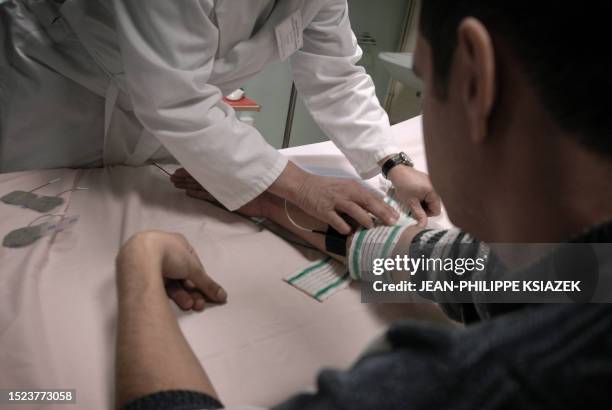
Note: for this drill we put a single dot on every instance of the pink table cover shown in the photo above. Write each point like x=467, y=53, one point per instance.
x=58, y=299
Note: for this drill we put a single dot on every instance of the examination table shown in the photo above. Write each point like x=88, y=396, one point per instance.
x=58, y=299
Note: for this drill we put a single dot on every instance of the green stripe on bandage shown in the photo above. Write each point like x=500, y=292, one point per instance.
x=357, y=253
x=321, y=279
x=389, y=242
x=332, y=286
x=310, y=269
x=386, y=250
x=372, y=244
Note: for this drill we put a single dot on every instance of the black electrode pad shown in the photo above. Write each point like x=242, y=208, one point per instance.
x=23, y=236
x=19, y=198
x=45, y=204
x=335, y=242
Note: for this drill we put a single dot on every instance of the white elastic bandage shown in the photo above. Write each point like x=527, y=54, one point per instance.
x=320, y=279
x=405, y=214
x=377, y=243
x=371, y=244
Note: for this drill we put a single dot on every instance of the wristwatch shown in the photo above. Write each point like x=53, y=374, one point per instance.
x=399, y=159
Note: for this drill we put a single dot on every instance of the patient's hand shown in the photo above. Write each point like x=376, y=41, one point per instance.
x=155, y=255
x=183, y=180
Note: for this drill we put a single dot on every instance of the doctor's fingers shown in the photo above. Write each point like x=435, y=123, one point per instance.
x=376, y=206
x=417, y=212
x=434, y=204
x=337, y=222
x=357, y=213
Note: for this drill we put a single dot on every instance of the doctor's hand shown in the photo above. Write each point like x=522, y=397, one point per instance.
x=414, y=190
x=155, y=255
x=327, y=198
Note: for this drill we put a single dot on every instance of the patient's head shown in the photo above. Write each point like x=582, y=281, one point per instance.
x=516, y=114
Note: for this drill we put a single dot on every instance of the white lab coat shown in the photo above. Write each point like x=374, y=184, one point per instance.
x=170, y=62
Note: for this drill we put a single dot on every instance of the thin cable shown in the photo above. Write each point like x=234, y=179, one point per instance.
x=295, y=223
x=73, y=189
x=53, y=181
x=46, y=216
x=162, y=169
x=284, y=234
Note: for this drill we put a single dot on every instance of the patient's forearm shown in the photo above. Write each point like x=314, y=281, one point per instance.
x=275, y=212
x=152, y=353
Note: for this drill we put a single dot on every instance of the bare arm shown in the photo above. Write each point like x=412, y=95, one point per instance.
x=272, y=207
x=152, y=353
x=275, y=211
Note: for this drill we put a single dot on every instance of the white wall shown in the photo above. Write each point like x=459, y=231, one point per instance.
x=405, y=102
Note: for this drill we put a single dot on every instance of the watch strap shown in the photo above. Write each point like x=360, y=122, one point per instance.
x=398, y=159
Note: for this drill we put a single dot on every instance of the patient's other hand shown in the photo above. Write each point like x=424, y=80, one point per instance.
x=183, y=180
x=147, y=254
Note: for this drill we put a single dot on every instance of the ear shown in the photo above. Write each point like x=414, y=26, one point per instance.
x=476, y=64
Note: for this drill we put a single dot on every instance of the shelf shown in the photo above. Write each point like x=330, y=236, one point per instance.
x=243, y=105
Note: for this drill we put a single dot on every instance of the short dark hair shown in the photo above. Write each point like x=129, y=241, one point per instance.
x=563, y=47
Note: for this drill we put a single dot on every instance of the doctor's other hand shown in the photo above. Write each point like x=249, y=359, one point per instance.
x=327, y=198
x=155, y=255
x=414, y=190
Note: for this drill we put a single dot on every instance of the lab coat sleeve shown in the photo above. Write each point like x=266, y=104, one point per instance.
x=339, y=94
x=168, y=49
